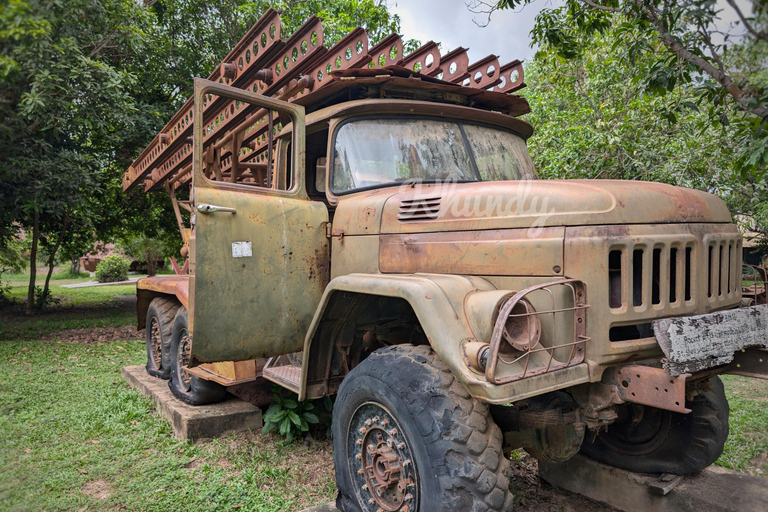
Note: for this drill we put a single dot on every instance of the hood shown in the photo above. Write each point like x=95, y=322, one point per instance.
x=539, y=203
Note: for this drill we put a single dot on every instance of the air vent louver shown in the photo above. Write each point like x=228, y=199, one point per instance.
x=425, y=208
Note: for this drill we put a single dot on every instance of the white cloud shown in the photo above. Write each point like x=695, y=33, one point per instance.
x=451, y=23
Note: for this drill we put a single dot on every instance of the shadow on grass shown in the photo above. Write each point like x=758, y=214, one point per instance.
x=110, y=307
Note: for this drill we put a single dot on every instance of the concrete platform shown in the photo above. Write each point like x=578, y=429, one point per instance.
x=713, y=490
x=194, y=422
x=325, y=507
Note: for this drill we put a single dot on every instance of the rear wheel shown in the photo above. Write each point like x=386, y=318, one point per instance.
x=650, y=440
x=183, y=384
x=408, y=436
x=159, y=327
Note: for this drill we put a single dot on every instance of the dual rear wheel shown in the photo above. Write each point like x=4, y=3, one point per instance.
x=169, y=347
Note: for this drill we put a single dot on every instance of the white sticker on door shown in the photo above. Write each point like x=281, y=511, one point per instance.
x=242, y=249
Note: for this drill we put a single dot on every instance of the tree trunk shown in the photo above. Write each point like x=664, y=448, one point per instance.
x=74, y=266
x=151, y=263
x=33, y=264
x=52, y=256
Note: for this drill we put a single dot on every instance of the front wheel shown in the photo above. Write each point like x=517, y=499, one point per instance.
x=650, y=440
x=184, y=385
x=408, y=437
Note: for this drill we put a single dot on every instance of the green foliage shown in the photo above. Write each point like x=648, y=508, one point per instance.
x=595, y=116
x=44, y=297
x=291, y=417
x=688, y=44
x=112, y=269
x=145, y=249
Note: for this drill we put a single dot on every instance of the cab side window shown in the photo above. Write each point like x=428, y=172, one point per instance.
x=317, y=157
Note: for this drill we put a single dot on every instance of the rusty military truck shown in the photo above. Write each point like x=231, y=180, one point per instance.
x=366, y=223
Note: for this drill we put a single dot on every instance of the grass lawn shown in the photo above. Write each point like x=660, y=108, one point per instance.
x=73, y=436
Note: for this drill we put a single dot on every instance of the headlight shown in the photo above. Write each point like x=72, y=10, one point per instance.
x=522, y=329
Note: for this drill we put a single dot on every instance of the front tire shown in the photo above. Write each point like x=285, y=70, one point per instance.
x=187, y=387
x=408, y=436
x=650, y=440
x=159, y=327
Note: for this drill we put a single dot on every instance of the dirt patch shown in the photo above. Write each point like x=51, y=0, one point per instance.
x=758, y=466
x=94, y=335
x=533, y=494
x=99, y=489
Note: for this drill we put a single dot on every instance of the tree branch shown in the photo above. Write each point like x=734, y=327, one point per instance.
x=758, y=34
x=741, y=96
x=600, y=7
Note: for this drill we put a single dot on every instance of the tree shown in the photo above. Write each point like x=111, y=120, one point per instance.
x=588, y=127
x=688, y=42
x=85, y=83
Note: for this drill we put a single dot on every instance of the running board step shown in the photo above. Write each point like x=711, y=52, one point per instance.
x=287, y=376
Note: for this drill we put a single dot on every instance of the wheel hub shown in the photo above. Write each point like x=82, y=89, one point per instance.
x=155, y=343
x=383, y=466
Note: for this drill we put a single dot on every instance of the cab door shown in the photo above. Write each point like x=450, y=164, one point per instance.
x=259, y=252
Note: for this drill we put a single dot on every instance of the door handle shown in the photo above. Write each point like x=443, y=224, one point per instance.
x=212, y=208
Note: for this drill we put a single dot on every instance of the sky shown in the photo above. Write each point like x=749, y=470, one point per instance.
x=507, y=35
x=451, y=23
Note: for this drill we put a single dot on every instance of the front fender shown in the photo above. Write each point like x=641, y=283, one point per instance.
x=447, y=318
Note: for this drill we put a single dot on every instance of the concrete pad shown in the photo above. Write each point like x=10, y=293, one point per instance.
x=190, y=421
x=713, y=490
x=90, y=284
x=325, y=507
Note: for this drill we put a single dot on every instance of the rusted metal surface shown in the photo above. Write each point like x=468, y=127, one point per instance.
x=750, y=362
x=754, y=283
x=492, y=252
x=701, y=342
x=176, y=286
x=649, y=386
x=540, y=203
x=261, y=245
x=227, y=373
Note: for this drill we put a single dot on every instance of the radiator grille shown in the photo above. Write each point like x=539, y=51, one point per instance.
x=653, y=274
x=426, y=208
x=658, y=273
x=723, y=267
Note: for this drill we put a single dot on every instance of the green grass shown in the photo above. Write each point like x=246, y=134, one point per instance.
x=747, y=445
x=70, y=428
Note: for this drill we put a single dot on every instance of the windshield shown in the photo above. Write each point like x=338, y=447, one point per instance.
x=378, y=152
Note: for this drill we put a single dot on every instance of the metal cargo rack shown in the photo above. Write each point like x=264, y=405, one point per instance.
x=239, y=139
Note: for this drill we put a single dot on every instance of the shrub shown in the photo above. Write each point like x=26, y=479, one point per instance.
x=112, y=268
